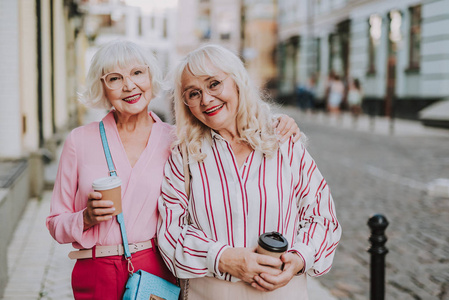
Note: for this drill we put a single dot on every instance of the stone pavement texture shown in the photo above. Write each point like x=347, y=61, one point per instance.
x=38, y=267
x=373, y=171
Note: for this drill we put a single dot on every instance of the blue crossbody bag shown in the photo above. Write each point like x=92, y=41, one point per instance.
x=141, y=285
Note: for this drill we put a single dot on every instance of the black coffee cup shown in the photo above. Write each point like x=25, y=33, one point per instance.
x=272, y=243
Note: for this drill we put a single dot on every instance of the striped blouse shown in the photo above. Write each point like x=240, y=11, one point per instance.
x=231, y=206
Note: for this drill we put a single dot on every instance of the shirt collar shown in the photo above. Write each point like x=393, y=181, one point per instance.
x=216, y=135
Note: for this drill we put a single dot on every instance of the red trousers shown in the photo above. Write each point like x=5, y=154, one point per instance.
x=105, y=277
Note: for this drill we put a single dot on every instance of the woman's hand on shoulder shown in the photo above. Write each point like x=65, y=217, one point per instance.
x=97, y=210
x=293, y=264
x=286, y=127
x=246, y=264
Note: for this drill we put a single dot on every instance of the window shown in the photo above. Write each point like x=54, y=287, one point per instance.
x=225, y=36
x=375, y=32
x=164, y=28
x=415, y=37
x=204, y=25
x=335, y=54
x=140, y=24
x=318, y=55
x=225, y=22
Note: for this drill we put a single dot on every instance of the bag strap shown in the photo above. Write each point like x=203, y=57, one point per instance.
x=113, y=172
x=107, y=152
x=185, y=283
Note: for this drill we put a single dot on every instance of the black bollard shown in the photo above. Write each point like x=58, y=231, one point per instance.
x=377, y=224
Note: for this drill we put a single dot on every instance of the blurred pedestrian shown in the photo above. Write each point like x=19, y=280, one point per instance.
x=355, y=98
x=305, y=95
x=327, y=89
x=301, y=95
x=243, y=184
x=336, y=93
x=311, y=88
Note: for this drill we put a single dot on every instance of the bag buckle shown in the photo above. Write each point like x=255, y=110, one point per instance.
x=133, y=248
x=130, y=266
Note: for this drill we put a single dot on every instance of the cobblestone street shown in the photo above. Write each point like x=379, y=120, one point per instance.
x=372, y=173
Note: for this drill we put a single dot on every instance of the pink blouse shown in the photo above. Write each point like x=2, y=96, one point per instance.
x=83, y=160
x=231, y=206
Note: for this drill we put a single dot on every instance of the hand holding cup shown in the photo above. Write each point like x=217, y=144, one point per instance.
x=104, y=203
x=273, y=244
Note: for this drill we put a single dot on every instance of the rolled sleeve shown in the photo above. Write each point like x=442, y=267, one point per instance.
x=213, y=258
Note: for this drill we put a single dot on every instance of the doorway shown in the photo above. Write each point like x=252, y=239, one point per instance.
x=394, y=37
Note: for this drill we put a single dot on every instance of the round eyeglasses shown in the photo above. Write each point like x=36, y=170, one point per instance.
x=116, y=80
x=192, y=97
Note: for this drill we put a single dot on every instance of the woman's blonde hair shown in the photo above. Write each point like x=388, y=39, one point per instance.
x=119, y=53
x=254, y=119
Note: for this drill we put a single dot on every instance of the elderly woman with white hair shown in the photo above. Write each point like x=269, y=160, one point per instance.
x=243, y=183
x=124, y=78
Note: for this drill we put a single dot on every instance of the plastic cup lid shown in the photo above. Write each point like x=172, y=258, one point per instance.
x=106, y=183
x=273, y=242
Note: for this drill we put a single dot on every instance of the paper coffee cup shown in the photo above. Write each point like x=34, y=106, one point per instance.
x=111, y=189
x=272, y=243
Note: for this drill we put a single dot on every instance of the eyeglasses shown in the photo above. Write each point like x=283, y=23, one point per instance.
x=192, y=97
x=116, y=80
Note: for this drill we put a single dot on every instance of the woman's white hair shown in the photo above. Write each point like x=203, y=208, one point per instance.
x=254, y=119
x=119, y=53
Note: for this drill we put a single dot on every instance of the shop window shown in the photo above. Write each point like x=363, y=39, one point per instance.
x=375, y=33
x=415, y=38
x=225, y=36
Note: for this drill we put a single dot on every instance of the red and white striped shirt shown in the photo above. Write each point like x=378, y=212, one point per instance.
x=231, y=206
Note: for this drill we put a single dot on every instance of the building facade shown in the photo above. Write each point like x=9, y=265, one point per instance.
x=39, y=74
x=208, y=21
x=39, y=79
x=259, y=41
x=397, y=49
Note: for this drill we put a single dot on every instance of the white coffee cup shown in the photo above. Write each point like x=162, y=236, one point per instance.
x=111, y=189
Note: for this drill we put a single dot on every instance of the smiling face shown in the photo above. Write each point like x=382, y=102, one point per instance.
x=217, y=112
x=134, y=96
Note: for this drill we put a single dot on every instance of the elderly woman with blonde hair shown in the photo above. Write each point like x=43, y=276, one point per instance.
x=124, y=78
x=243, y=183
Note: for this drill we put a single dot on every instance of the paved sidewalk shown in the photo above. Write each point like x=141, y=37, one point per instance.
x=38, y=267
x=375, y=125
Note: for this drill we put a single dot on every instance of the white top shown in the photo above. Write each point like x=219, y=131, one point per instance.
x=231, y=207
x=354, y=97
